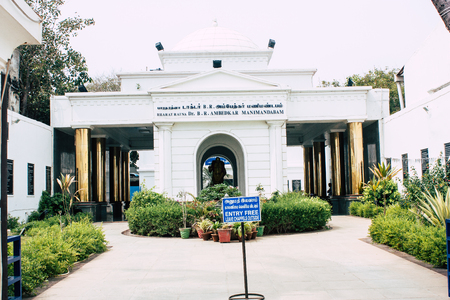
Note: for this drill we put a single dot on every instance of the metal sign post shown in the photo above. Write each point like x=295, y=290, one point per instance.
x=242, y=209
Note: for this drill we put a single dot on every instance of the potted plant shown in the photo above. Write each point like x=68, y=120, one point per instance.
x=204, y=226
x=214, y=226
x=260, y=230
x=247, y=231
x=225, y=233
x=185, y=231
x=254, y=231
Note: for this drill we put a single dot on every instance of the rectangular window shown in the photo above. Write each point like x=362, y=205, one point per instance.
x=447, y=157
x=30, y=179
x=405, y=166
x=388, y=161
x=48, y=179
x=425, y=160
x=10, y=177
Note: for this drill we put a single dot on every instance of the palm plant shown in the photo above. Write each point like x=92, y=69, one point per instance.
x=383, y=175
x=65, y=182
x=435, y=209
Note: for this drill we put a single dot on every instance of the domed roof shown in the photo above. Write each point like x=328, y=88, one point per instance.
x=215, y=39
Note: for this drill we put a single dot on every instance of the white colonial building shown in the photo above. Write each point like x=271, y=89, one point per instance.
x=216, y=96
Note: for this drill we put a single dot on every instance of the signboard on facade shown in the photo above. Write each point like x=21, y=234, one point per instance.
x=241, y=209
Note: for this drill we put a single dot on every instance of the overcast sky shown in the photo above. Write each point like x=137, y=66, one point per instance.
x=338, y=37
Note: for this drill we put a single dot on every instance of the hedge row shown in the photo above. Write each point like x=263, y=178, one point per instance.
x=163, y=219
x=399, y=230
x=365, y=210
x=293, y=212
x=49, y=251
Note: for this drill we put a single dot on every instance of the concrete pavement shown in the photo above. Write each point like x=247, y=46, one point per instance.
x=325, y=265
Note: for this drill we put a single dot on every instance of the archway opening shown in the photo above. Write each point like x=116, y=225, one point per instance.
x=229, y=150
x=229, y=160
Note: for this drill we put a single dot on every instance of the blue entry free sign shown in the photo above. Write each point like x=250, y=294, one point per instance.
x=241, y=209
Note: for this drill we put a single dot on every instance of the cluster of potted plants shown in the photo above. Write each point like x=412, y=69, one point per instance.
x=225, y=232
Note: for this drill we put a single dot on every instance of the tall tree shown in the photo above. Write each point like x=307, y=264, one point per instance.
x=54, y=67
x=378, y=78
x=104, y=83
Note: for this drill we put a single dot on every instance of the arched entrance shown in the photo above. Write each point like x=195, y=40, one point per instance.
x=225, y=146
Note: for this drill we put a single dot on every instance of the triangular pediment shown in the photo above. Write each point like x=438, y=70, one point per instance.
x=219, y=80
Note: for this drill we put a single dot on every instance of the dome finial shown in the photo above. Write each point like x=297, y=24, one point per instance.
x=214, y=23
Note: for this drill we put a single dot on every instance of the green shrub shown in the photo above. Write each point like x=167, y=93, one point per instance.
x=217, y=192
x=85, y=238
x=146, y=197
x=49, y=251
x=375, y=195
x=365, y=210
x=33, y=216
x=435, y=178
x=54, y=205
x=398, y=230
x=294, y=212
x=163, y=219
x=354, y=208
x=13, y=223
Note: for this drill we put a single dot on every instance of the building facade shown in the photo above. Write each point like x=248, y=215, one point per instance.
x=216, y=96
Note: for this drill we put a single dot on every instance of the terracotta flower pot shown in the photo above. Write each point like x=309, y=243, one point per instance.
x=224, y=235
x=248, y=236
x=199, y=232
x=215, y=237
x=206, y=235
x=254, y=233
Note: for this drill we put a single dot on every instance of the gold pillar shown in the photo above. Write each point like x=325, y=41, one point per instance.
x=115, y=186
x=319, y=169
x=99, y=169
x=126, y=176
x=337, y=163
x=83, y=163
x=356, y=156
x=308, y=169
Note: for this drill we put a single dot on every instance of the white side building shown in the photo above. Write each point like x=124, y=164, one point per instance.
x=30, y=142
x=418, y=134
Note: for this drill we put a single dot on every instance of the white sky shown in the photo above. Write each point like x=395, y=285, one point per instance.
x=338, y=37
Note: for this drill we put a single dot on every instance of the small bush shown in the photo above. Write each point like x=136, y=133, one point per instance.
x=163, y=219
x=398, y=230
x=376, y=197
x=294, y=212
x=147, y=197
x=52, y=205
x=13, y=223
x=436, y=178
x=33, y=216
x=365, y=210
x=49, y=251
x=217, y=192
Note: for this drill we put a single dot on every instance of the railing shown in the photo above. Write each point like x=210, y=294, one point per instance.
x=15, y=279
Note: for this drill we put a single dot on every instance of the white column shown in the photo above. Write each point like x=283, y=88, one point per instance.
x=165, y=157
x=276, y=155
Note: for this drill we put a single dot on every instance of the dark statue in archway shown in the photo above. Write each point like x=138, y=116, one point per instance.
x=217, y=168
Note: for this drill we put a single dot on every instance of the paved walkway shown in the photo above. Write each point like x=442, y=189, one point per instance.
x=331, y=264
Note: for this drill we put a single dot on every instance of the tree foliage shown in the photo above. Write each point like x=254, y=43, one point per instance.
x=376, y=78
x=54, y=67
x=104, y=83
